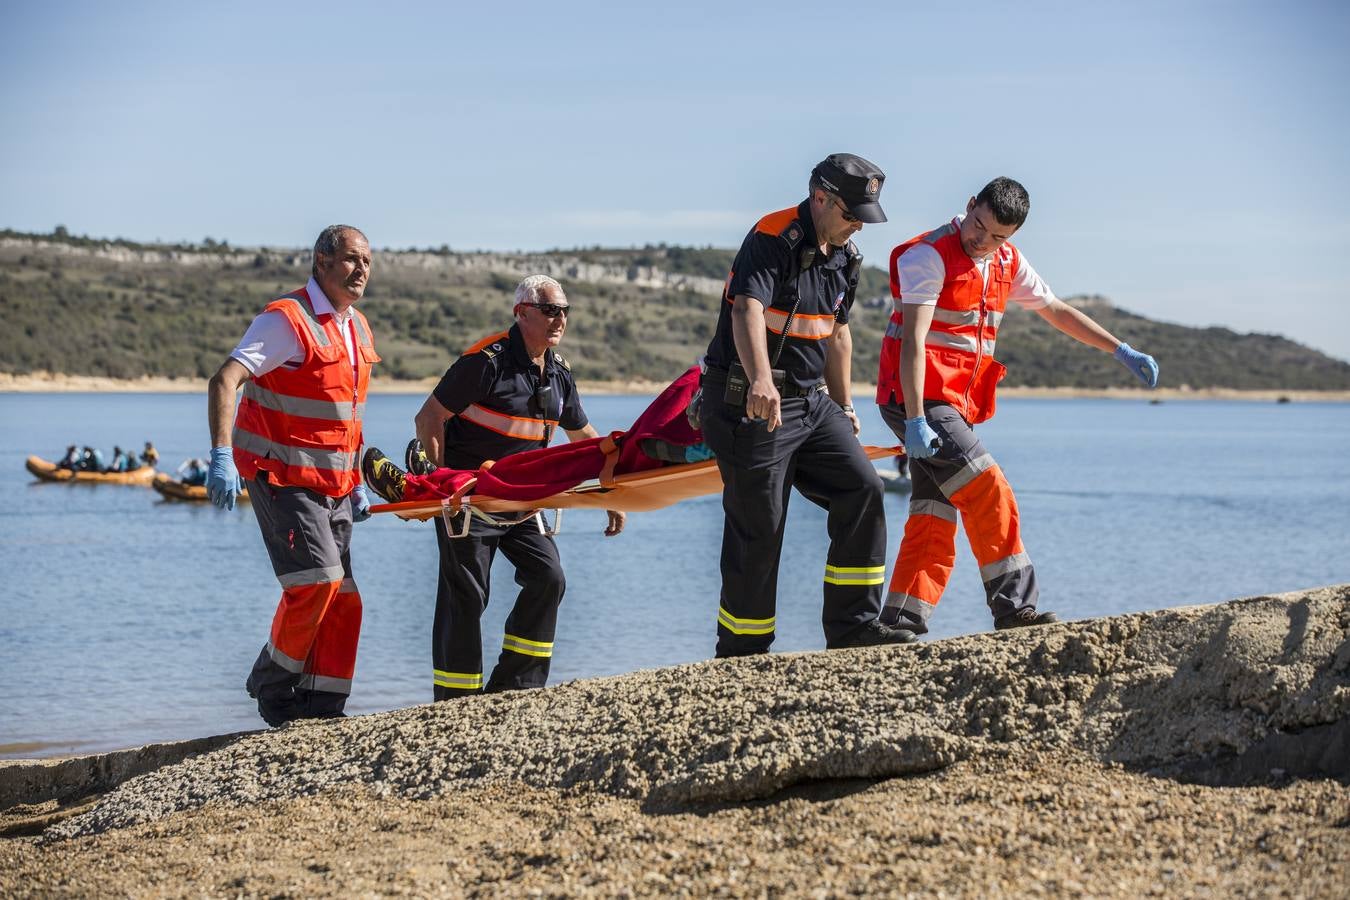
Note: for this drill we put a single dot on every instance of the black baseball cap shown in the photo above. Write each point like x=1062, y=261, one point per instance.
x=855, y=181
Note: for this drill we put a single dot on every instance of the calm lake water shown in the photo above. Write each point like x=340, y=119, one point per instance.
x=127, y=619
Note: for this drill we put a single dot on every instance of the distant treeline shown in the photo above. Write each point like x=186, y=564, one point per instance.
x=121, y=309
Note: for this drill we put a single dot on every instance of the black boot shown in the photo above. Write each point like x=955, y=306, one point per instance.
x=874, y=634
x=1023, y=618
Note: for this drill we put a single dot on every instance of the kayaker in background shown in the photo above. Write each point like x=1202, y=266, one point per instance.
x=304, y=364
x=150, y=454
x=71, y=460
x=119, y=461
x=937, y=381
x=193, y=471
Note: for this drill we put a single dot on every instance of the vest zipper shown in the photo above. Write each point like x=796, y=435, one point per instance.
x=979, y=343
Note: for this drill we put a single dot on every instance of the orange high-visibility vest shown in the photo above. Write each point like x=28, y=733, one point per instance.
x=959, y=364
x=303, y=425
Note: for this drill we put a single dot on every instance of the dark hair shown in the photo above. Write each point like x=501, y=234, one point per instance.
x=329, y=241
x=1007, y=200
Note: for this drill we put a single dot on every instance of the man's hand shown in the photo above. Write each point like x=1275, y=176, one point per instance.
x=360, y=504
x=762, y=401
x=1144, y=367
x=853, y=418
x=616, y=521
x=222, y=479
x=921, y=441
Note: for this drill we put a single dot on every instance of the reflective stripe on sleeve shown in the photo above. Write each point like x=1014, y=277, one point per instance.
x=811, y=328
x=859, y=575
x=296, y=457
x=744, y=626
x=511, y=426
x=526, y=647
x=1005, y=566
x=935, y=508
x=967, y=474
x=324, y=575
x=304, y=407
x=463, y=681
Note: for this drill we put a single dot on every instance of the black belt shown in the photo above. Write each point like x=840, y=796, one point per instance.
x=786, y=389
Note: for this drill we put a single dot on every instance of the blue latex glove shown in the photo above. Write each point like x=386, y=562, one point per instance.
x=1144, y=367
x=697, y=453
x=222, y=479
x=360, y=504
x=921, y=441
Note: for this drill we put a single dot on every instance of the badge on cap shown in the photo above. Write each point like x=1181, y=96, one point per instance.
x=873, y=185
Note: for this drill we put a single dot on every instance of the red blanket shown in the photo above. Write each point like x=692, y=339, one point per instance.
x=536, y=474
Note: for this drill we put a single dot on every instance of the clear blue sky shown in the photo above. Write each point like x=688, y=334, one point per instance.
x=1186, y=159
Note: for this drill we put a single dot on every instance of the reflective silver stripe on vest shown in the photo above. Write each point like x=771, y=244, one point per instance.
x=1005, y=566
x=312, y=682
x=811, y=328
x=993, y=319
x=935, y=508
x=967, y=474
x=938, y=234
x=304, y=407
x=956, y=316
x=511, y=426
x=296, y=457
x=362, y=335
x=295, y=666
x=320, y=336
x=964, y=343
x=895, y=329
x=324, y=575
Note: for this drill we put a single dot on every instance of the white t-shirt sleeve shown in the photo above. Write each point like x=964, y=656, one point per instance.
x=1029, y=290
x=921, y=275
x=269, y=343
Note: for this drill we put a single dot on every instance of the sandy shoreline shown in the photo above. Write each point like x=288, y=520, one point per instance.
x=1193, y=751
x=44, y=382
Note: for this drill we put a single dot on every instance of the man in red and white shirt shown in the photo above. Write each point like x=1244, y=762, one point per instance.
x=938, y=379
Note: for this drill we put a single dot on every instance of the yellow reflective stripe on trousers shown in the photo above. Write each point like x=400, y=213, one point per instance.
x=464, y=681
x=543, y=649
x=855, y=574
x=744, y=626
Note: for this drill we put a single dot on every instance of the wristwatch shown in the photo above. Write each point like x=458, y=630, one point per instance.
x=847, y=407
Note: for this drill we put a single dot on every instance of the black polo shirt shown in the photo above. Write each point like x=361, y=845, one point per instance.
x=766, y=268
x=493, y=391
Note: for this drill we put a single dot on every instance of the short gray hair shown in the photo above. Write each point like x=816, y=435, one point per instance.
x=330, y=239
x=535, y=289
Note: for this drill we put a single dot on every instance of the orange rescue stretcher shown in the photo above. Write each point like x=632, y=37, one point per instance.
x=609, y=472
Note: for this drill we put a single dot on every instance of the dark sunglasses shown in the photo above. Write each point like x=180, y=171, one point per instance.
x=551, y=310
x=849, y=217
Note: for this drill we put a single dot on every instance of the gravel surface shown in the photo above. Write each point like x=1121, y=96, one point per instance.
x=1035, y=761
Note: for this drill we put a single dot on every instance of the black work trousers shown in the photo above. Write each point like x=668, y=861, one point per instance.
x=815, y=451
x=462, y=595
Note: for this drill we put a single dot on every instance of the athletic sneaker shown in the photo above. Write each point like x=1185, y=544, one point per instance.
x=415, y=459
x=385, y=478
x=875, y=634
x=1023, y=618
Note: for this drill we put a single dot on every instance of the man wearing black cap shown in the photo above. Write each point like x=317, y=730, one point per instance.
x=778, y=414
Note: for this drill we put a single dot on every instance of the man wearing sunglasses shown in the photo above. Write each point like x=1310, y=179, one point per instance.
x=506, y=394
x=778, y=414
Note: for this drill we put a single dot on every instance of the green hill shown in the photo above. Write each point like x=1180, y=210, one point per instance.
x=79, y=306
